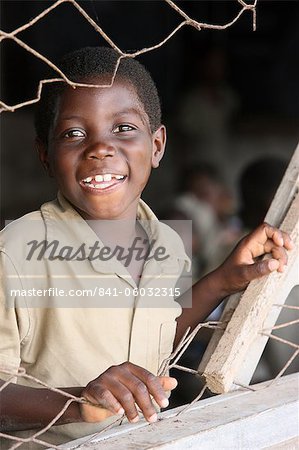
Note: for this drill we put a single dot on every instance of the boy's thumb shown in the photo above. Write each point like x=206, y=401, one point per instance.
x=260, y=268
x=168, y=383
x=265, y=267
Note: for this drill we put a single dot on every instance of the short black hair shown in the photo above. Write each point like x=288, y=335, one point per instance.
x=85, y=63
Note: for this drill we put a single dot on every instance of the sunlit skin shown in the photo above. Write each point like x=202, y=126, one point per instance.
x=102, y=131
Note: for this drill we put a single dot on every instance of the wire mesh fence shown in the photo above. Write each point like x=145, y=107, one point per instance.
x=188, y=21
x=172, y=362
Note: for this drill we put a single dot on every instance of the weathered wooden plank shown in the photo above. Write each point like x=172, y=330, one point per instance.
x=238, y=420
x=285, y=192
x=280, y=285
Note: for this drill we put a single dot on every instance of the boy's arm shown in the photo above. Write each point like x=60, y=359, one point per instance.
x=24, y=407
x=242, y=266
x=117, y=391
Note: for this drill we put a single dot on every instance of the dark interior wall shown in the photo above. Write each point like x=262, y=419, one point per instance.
x=261, y=67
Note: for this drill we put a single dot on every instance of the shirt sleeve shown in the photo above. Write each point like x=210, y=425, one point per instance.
x=11, y=321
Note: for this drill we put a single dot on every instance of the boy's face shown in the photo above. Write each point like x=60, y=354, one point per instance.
x=101, y=150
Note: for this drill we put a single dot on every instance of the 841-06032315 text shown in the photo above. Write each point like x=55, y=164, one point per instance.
x=97, y=292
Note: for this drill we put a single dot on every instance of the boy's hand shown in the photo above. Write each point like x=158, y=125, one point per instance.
x=121, y=389
x=244, y=263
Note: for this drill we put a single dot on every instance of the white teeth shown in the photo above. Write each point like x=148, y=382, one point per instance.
x=107, y=177
x=101, y=186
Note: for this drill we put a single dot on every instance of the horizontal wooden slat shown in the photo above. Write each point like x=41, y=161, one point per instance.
x=238, y=420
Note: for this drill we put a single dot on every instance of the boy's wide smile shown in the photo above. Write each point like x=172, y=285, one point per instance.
x=106, y=181
x=101, y=150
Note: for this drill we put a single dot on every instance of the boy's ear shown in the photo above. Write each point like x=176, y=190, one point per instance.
x=43, y=156
x=159, y=142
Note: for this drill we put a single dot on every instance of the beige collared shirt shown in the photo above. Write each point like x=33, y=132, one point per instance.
x=70, y=339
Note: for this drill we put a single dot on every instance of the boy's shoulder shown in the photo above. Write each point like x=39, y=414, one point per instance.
x=18, y=232
x=19, y=228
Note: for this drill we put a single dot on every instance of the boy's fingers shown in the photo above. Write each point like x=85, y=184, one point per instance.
x=278, y=253
x=275, y=235
x=269, y=265
x=145, y=385
x=273, y=264
x=93, y=414
x=168, y=383
x=142, y=398
x=288, y=243
x=279, y=237
x=105, y=405
x=260, y=269
x=125, y=397
x=144, y=402
x=153, y=385
x=103, y=398
x=282, y=239
x=131, y=385
x=123, y=388
x=264, y=239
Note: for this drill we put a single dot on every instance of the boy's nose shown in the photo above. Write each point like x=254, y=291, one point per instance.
x=100, y=151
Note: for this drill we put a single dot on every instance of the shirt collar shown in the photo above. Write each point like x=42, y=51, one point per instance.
x=65, y=224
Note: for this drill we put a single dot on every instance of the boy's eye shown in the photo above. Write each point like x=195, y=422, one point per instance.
x=123, y=128
x=73, y=134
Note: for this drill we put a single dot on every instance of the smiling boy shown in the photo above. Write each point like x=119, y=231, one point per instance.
x=100, y=145
x=118, y=134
